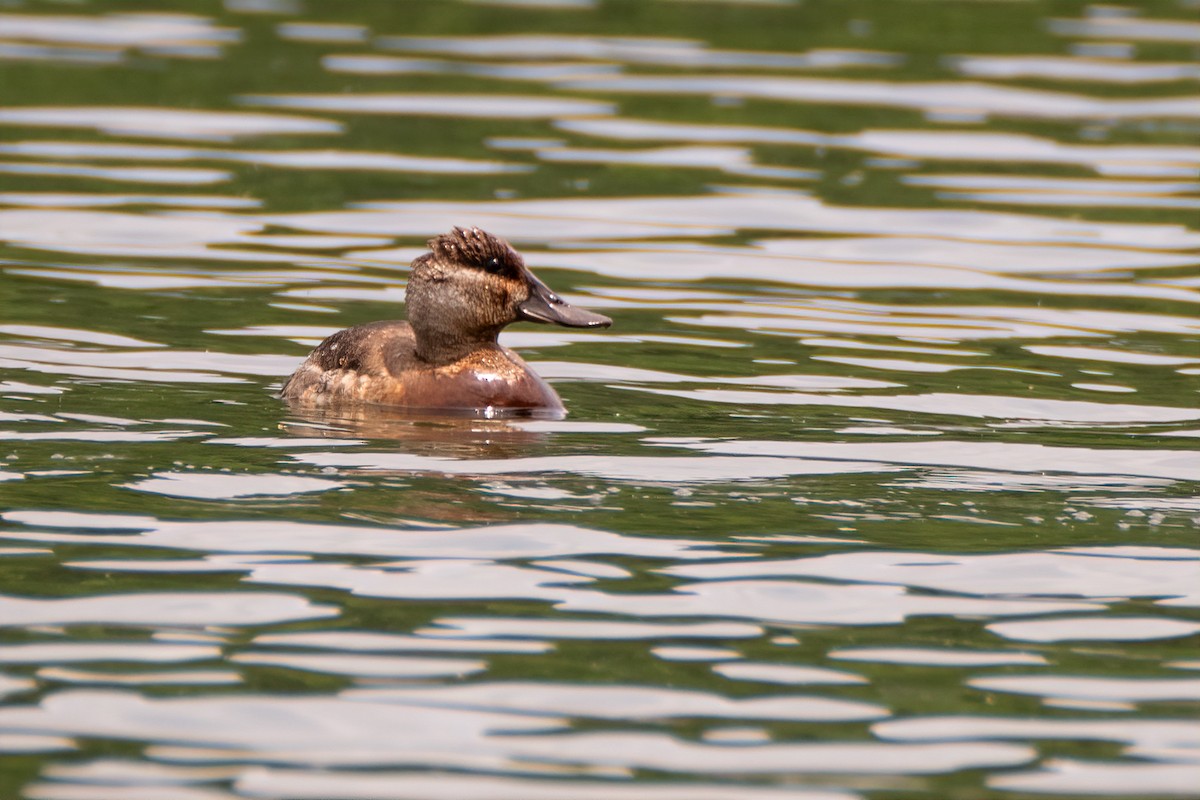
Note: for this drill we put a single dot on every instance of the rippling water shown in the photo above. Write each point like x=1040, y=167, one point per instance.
x=883, y=484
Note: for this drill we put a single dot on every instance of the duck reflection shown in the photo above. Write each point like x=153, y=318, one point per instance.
x=445, y=434
x=442, y=435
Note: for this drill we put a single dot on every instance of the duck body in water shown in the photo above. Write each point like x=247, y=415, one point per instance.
x=460, y=295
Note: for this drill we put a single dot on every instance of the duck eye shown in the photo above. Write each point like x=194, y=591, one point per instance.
x=493, y=265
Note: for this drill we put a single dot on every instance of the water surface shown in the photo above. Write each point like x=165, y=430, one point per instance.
x=882, y=485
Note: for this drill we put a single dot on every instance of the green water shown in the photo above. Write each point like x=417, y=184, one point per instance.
x=882, y=484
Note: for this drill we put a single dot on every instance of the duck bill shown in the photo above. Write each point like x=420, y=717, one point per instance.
x=544, y=305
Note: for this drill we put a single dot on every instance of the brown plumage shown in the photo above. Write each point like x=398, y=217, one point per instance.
x=460, y=296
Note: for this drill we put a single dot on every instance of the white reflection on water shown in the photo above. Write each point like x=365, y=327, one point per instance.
x=1068, y=776
x=630, y=50
x=354, y=641
x=1110, y=355
x=151, y=361
x=104, y=373
x=78, y=435
x=981, y=407
x=935, y=145
x=614, y=702
x=113, y=233
x=576, y=370
x=30, y=743
x=1071, y=687
x=360, y=731
x=161, y=34
x=801, y=602
x=1006, y=456
x=1018, y=190
x=427, y=579
x=948, y=324
x=210, y=486
x=1127, y=29
x=575, y=566
x=179, y=176
x=126, y=677
x=16, y=51
x=363, y=666
x=283, y=159
x=10, y=685
x=1041, y=184
x=1073, y=199
x=29, y=388
x=973, y=255
x=564, y=627
x=692, y=216
x=643, y=469
x=113, y=771
x=7, y=416
x=959, y=96
x=733, y=160
x=166, y=123
x=1156, y=739
x=321, y=32
x=418, y=219
x=905, y=365
x=577, y=5
x=76, y=335
x=530, y=540
x=787, y=674
x=150, y=279
x=144, y=365
x=69, y=652
x=310, y=731
x=652, y=263
x=694, y=653
x=391, y=65
x=440, y=105
x=382, y=785
x=1066, y=68
x=282, y=7
x=82, y=200
x=938, y=657
x=1108, y=629
x=162, y=608
x=55, y=791
x=1143, y=733
x=466, y=576
x=281, y=441
x=661, y=752
x=1013, y=575
x=1136, y=503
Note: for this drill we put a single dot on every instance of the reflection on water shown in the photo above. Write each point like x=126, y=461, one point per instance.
x=884, y=483
x=165, y=123
x=438, y=435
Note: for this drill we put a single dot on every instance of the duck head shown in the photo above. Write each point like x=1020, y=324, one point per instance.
x=470, y=286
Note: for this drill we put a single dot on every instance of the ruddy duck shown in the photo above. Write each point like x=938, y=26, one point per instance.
x=460, y=296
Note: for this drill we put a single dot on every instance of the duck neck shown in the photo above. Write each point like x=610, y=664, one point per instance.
x=441, y=345
x=443, y=335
